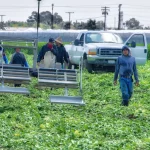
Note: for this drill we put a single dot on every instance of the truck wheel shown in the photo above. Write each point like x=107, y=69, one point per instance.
x=70, y=65
x=87, y=66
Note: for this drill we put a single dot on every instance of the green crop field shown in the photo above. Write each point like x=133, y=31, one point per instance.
x=32, y=123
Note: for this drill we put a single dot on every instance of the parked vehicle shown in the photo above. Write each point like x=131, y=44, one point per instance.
x=100, y=48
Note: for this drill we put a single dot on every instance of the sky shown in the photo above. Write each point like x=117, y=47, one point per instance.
x=19, y=10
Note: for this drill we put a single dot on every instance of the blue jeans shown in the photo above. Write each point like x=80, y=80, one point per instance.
x=126, y=86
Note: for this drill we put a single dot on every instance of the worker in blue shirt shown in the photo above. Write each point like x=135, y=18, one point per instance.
x=126, y=68
x=2, y=54
x=19, y=58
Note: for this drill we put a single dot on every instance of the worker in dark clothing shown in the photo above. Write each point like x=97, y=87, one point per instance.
x=46, y=48
x=61, y=52
x=18, y=58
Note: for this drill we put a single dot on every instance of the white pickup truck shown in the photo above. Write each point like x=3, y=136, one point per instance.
x=101, y=48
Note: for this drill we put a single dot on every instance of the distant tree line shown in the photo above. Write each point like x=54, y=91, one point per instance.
x=46, y=23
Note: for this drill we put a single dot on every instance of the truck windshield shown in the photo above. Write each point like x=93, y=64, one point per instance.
x=102, y=38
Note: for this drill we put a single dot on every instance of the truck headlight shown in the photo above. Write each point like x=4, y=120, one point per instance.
x=92, y=52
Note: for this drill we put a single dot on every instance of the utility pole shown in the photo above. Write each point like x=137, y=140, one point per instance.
x=38, y=17
x=119, y=16
x=1, y=24
x=69, y=18
x=52, y=19
x=105, y=12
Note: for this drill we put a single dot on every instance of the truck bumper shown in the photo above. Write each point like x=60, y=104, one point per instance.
x=106, y=61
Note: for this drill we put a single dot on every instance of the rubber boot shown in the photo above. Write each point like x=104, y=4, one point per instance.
x=125, y=103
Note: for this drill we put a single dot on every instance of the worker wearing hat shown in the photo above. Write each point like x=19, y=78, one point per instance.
x=62, y=56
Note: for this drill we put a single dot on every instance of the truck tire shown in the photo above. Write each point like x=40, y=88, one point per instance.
x=87, y=66
x=70, y=65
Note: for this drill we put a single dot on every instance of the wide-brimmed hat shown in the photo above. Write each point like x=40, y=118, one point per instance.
x=59, y=40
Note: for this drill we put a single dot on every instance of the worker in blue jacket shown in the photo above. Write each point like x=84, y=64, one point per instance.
x=19, y=58
x=3, y=56
x=125, y=68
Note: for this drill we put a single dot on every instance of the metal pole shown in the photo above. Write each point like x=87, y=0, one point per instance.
x=105, y=19
x=69, y=18
x=119, y=16
x=52, y=15
x=105, y=13
x=36, y=41
x=38, y=17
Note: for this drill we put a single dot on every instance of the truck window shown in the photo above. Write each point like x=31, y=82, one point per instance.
x=118, y=38
x=107, y=37
x=82, y=39
x=93, y=38
x=102, y=38
x=79, y=36
x=138, y=38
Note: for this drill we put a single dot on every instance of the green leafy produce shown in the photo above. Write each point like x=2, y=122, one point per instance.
x=32, y=123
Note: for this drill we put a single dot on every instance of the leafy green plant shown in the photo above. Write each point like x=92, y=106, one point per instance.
x=31, y=122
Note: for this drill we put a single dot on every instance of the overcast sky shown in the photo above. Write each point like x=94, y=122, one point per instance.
x=19, y=10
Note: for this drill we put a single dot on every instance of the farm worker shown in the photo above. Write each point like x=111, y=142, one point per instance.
x=18, y=58
x=47, y=55
x=3, y=56
x=126, y=67
x=62, y=56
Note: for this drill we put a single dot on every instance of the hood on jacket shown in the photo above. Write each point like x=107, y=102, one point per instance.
x=126, y=47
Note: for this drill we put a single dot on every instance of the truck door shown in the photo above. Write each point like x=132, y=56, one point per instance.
x=138, y=46
x=71, y=50
x=79, y=49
